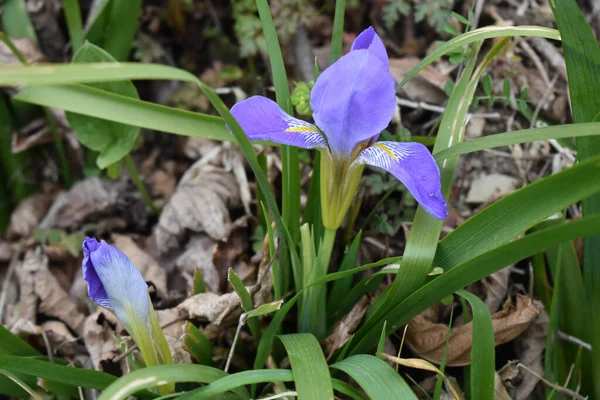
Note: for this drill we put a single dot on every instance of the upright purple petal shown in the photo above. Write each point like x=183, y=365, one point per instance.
x=95, y=288
x=353, y=100
x=415, y=167
x=263, y=119
x=369, y=40
x=113, y=282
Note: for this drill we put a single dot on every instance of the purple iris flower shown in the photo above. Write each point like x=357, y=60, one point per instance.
x=114, y=282
x=352, y=101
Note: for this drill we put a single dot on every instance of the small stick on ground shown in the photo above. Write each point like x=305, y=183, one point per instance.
x=554, y=386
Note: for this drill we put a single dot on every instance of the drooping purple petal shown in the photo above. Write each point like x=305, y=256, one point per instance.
x=262, y=119
x=113, y=281
x=369, y=40
x=415, y=167
x=353, y=100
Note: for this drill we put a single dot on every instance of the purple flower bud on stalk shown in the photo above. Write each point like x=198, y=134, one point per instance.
x=352, y=101
x=116, y=284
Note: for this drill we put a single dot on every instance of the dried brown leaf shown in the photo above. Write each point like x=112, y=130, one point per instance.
x=530, y=348
x=28, y=214
x=211, y=307
x=496, y=288
x=198, y=205
x=113, y=203
x=26, y=46
x=41, y=293
x=428, y=339
x=198, y=253
x=427, y=86
x=99, y=334
x=173, y=326
x=345, y=327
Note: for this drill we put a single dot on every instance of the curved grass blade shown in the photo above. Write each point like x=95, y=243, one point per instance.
x=159, y=375
x=582, y=59
x=518, y=212
x=56, y=372
x=477, y=35
x=520, y=136
x=347, y=389
x=237, y=380
x=482, y=349
x=309, y=367
x=98, y=103
x=375, y=377
x=488, y=263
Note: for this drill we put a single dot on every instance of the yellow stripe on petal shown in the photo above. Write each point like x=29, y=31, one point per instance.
x=387, y=150
x=302, y=129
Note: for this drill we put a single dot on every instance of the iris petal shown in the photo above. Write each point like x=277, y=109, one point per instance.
x=368, y=39
x=353, y=100
x=113, y=281
x=415, y=167
x=262, y=119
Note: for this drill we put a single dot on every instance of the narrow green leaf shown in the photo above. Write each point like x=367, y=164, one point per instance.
x=15, y=20
x=265, y=309
x=309, y=367
x=488, y=263
x=381, y=343
x=155, y=376
x=520, y=136
x=195, y=343
x=477, y=35
x=347, y=389
x=112, y=107
x=266, y=342
x=337, y=34
x=60, y=373
x=516, y=213
x=460, y=18
x=12, y=344
x=582, y=58
x=375, y=377
x=487, y=84
x=482, y=349
x=199, y=286
x=124, y=15
x=342, y=286
x=113, y=140
x=73, y=17
x=238, y=380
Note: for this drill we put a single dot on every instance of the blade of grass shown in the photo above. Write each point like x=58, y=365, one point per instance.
x=482, y=349
x=15, y=20
x=122, y=26
x=73, y=17
x=516, y=213
x=154, y=376
x=478, y=35
x=289, y=155
x=337, y=35
x=347, y=389
x=60, y=373
x=237, y=380
x=582, y=58
x=438, y=384
x=589, y=129
x=101, y=104
x=342, y=286
x=375, y=377
x=246, y=299
x=486, y=264
x=309, y=367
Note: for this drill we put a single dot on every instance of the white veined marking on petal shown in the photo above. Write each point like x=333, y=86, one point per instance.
x=124, y=391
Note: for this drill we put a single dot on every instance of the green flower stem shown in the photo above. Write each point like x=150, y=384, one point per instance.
x=135, y=175
x=313, y=313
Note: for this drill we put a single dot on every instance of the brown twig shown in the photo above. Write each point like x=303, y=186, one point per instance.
x=554, y=386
